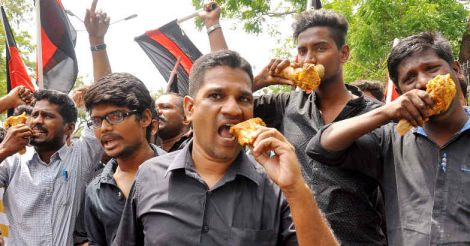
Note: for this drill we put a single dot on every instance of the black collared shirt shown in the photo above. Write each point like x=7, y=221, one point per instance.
x=348, y=198
x=104, y=203
x=426, y=187
x=170, y=204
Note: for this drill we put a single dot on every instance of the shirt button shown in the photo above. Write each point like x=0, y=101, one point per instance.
x=205, y=228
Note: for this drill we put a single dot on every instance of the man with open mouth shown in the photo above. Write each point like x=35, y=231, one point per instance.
x=211, y=192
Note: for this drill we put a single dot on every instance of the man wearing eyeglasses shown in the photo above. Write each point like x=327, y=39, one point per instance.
x=120, y=115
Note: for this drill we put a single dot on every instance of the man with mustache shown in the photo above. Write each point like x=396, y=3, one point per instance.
x=425, y=173
x=44, y=186
x=173, y=129
x=120, y=108
x=211, y=192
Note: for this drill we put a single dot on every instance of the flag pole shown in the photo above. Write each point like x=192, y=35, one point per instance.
x=40, y=77
x=173, y=74
x=196, y=13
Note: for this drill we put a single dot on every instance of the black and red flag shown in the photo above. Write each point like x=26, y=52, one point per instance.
x=58, y=38
x=164, y=46
x=16, y=71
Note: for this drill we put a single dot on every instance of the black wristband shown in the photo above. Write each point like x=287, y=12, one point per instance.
x=98, y=47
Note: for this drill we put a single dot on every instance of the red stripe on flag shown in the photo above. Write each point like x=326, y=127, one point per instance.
x=18, y=74
x=173, y=48
x=48, y=48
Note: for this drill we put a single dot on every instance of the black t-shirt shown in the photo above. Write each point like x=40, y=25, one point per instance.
x=348, y=198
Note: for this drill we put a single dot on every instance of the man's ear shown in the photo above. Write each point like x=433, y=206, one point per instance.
x=146, y=118
x=69, y=128
x=456, y=67
x=188, y=108
x=344, y=53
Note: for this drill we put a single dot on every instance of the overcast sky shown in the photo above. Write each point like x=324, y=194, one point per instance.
x=125, y=54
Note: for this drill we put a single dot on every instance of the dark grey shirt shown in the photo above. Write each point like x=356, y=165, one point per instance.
x=104, y=203
x=170, y=204
x=426, y=187
x=348, y=198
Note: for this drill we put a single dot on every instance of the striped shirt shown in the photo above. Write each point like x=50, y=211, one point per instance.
x=42, y=200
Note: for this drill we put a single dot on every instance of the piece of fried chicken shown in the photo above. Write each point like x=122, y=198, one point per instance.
x=307, y=77
x=16, y=120
x=442, y=90
x=245, y=131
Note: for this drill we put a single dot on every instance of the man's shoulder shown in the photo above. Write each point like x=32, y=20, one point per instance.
x=158, y=164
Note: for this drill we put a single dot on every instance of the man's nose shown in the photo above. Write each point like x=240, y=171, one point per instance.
x=231, y=107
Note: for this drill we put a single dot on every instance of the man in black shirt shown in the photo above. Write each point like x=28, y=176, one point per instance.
x=211, y=192
x=174, y=129
x=120, y=113
x=347, y=198
x=425, y=174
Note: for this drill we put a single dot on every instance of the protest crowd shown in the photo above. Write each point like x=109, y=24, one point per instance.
x=329, y=168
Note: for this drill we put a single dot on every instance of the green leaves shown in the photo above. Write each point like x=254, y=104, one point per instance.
x=373, y=25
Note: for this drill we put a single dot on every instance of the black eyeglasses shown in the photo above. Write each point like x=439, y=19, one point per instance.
x=112, y=118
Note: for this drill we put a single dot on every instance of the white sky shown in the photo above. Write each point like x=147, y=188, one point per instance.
x=127, y=56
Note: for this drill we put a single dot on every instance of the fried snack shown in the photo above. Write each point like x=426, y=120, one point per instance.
x=16, y=120
x=306, y=77
x=245, y=131
x=442, y=91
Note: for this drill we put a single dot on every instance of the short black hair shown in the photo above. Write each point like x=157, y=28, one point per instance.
x=67, y=108
x=215, y=59
x=122, y=90
x=335, y=22
x=23, y=109
x=375, y=87
x=415, y=44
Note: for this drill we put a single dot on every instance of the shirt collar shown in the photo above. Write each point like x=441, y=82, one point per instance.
x=106, y=176
x=109, y=169
x=58, y=155
x=420, y=130
x=241, y=166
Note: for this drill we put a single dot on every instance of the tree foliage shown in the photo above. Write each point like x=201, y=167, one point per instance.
x=373, y=25
x=18, y=12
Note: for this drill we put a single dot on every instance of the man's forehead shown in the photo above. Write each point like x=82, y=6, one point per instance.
x=316, y=35
x=45, y=105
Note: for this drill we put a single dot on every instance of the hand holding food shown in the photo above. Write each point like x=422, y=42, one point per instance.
x=16, y=120
x=442, y=90
x=306, y=77
x=245, y=131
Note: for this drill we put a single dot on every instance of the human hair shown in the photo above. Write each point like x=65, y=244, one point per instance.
x=23, y=109
x=416, y=44
x=463, y=84
x=335, y=22
x=375, y=87
x=67, y=108
x=215, y=59
x=3, y=132
x=122, y=90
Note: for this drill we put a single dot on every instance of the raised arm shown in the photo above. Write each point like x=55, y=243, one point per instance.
x=268, y=77
x=412, y=106
x=211, y=17
x=284, y=169
x=18, y=96
x=97, y=24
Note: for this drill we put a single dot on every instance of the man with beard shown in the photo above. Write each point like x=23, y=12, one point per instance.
x=211, y=192
x=173, y=129
x=44, y=186
x=120, y=108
